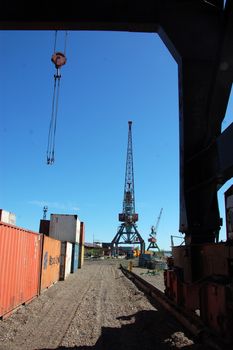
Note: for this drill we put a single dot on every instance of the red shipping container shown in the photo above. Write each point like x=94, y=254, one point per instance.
x=20, y=254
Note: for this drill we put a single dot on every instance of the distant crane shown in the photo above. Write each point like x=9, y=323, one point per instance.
x=127, y=232
x=153, y=235
x=45, y=209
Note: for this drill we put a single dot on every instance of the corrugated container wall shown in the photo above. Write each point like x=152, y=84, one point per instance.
x=66, y=254
x=50, y=265
x=82, y=233
x=75, y=257
x=7, y=217
x=20, y=253
x=82, y=255
x=65, y=227
x=81, y=245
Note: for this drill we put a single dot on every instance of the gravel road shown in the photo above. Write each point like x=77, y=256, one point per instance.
x=97, y=308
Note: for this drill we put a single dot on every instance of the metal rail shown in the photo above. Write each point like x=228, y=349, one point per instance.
x=191, y=322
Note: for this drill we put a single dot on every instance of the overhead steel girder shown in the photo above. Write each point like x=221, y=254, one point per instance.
x=124, y=15
x=199, y=35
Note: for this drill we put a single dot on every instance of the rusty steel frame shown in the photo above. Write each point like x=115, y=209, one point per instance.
x=189, y=321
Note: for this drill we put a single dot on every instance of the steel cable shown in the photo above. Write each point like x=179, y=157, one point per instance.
x=53, y=121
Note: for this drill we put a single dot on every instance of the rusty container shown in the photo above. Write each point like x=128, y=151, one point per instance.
x=81, y=244
x=44, y=227
x=66, y=256
x=50, y=263
x=20, y=253
x=82, y=233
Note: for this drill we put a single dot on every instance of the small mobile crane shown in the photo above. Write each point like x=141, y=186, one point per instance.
x=154, y=229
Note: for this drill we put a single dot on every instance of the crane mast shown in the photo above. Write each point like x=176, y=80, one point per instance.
x=127, y=232
x=128, y=212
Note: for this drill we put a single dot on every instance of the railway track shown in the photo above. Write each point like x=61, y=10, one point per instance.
x=191, y=322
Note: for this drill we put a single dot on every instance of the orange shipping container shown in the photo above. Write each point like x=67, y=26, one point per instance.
x=82, y=233
x=20, y=253
x=50, y=265
x=82, y=255
x=81, y=246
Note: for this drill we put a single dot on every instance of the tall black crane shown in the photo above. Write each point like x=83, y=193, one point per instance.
x=127, y=232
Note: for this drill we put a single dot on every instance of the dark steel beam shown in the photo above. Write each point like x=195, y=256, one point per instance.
x=126, y=15
x=224, y=144
x=123, y=15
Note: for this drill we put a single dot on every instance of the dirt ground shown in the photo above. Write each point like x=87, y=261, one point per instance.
x=155, y=278
x=97, y=308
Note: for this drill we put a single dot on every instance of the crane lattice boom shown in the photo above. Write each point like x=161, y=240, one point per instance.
x=128, y=213
x=127, y=232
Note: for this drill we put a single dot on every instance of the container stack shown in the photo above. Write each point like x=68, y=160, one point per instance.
x=31, y=262
x=66, y=228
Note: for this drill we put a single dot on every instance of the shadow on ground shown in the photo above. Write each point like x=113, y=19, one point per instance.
x=151, y=330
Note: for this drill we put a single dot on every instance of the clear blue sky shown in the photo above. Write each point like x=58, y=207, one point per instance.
x=109, y=78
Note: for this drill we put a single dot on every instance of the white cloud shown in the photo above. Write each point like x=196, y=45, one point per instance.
x=55, y=205
x=75, y=208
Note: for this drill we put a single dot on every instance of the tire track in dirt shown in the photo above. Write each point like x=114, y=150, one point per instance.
x=108, y=306
x=97, y=308
x=117, y=316
x=86, y=323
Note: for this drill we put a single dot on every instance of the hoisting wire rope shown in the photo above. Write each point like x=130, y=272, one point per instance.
x=59, y=59
x=53, y=121
x=66, y=34
x=55, y=42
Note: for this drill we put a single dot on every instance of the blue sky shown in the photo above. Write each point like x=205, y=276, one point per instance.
x=109, y=78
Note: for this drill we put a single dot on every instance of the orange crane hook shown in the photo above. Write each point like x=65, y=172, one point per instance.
x=59, y=59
